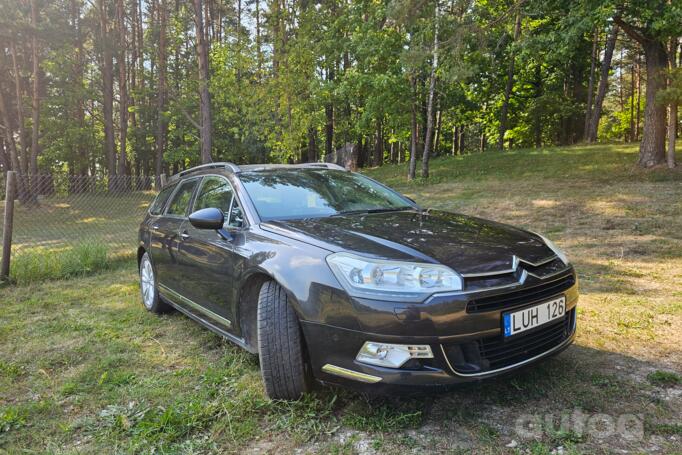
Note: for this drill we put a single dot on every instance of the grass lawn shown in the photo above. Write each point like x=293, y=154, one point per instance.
x=83, y=368
x=66, y=236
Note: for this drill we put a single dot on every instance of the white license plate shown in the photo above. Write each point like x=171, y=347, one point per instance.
x=535, y=316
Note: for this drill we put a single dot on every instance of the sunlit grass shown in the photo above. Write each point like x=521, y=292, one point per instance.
x=38, y=264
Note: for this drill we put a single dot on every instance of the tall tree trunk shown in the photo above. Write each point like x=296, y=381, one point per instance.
x=462, y=139
x=107, y=92
x=23, y=190
x=432, y=95
x=4, y=157
x=455, y=140
x=391, y=150
x=9, y=133
x=537, y=118
x=329, y=116
x=590, y=86
x=312, y=145
x=22, y=146
x=631, y=135
x=122, y=88
x=162, y=121
x=504, y=113
x=206, y=131
x=639, y=97
x=652, y=147
x=35, y=98
x=239, y=39
x=437, y=134
x=259, y=50
x=621, y=94
x=379, y=144
x=79, y=68
x=412, y=169
x=672, y=115
x=593, y=126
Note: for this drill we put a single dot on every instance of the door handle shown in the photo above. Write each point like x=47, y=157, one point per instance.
x=184, y=235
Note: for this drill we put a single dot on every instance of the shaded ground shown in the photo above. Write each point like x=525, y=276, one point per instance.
x=83, y=368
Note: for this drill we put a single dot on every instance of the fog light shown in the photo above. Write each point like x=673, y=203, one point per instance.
x=392, y=355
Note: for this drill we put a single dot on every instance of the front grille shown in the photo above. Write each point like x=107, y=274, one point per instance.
x=501, y=353
x=522, y=296
x=497, y=352
x=548, y=268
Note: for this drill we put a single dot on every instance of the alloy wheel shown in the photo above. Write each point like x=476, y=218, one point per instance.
x=147, y=283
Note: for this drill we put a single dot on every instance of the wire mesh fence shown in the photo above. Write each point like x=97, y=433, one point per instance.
x=66, y=225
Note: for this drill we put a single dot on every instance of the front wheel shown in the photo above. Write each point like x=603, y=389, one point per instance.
x=280, y=345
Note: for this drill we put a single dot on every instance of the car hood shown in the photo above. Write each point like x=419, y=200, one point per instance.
x=467, y=244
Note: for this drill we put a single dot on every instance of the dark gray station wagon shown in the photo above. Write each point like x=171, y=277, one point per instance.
x=329, y=275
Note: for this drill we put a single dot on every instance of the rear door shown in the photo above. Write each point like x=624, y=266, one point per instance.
x=208, y=261
x=165, y=235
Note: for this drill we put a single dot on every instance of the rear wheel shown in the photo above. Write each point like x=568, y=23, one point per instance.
x=148, y=287
x=280, y=345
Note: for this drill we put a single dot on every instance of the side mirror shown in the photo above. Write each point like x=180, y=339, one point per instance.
x=210, y=218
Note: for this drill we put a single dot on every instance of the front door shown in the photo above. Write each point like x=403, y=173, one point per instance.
x=207, y=261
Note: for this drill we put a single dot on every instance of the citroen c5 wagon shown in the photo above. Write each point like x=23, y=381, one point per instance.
x=331, y=276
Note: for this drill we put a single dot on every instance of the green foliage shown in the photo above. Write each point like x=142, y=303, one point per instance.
x=42, y=264
x=11, y=418
x=664, y=378
x=312, y=76
x=673, y=93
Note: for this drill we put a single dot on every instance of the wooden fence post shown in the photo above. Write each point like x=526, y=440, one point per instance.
x=10, y=195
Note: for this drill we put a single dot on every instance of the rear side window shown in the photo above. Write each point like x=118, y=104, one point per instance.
x=180, y=201
x=160, y=201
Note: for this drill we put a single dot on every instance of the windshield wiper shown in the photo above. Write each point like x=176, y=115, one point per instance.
x=378, y=210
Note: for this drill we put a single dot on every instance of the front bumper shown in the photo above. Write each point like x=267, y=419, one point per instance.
x=467, y=339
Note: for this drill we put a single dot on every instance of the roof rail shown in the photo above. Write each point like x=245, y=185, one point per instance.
x=232, y=167
x=218, y=165
x=324, y=165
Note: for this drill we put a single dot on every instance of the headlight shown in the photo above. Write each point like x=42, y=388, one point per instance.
x=397, y=280
x=558, y=251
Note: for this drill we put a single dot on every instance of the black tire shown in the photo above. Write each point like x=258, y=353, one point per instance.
x=150, y=293
x=280, y=345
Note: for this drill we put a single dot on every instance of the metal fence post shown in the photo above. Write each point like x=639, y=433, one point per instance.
x=7, y=224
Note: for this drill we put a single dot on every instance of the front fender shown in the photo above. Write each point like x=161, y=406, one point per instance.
x=301, y=269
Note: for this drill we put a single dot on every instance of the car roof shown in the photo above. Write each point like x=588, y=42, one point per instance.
x=232, y=168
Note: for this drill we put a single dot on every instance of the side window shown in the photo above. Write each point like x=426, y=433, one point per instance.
x=160, y=201
x=217, y=192
x=180, y=202
x=236, y=218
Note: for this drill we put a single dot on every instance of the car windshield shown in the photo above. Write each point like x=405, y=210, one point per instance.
x=313, y=193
